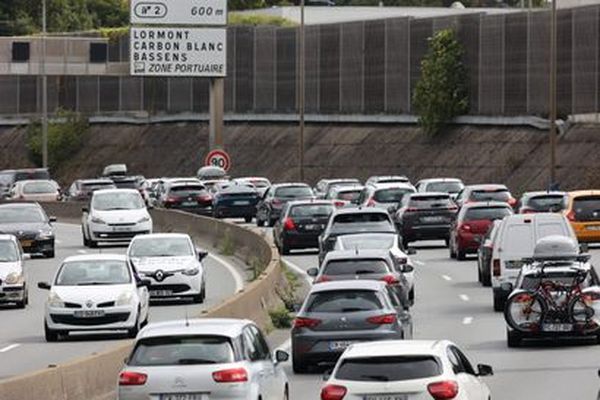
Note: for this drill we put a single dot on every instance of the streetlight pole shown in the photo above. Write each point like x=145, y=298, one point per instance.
x=553, y=70
x=301, y=97
x=44, y=91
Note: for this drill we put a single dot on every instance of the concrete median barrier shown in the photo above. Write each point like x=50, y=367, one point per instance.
x=95, y=377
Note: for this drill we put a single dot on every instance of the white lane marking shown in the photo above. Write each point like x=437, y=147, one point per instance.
x=237, y=277
x=298, y=270
x=419, y=263
x=57, y=241
x=467, y=320
x=446, y=278
x=82, y=251
x=9, y=348
x=464, y=297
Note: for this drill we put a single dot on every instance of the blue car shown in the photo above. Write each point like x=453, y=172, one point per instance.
x=235, y=201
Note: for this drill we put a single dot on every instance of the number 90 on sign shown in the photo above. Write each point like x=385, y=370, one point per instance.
x=218, y=158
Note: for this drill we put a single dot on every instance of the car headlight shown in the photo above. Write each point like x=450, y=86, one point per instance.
x=191, y=271
x=14, y=278
x=145, y=219
x=97, y=220
x=55, y=301
x=45, y=234
x=124, y=299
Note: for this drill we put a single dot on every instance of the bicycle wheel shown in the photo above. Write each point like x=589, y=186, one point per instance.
x=583, y=312
x=524, y=310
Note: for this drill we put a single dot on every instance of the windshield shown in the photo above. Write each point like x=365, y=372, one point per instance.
x=187, y=190
x=8, y=251
x=486, y=213
x=12, y=215
x=5, y=178
x=388, y=368
x=445, y=187
x=431, y=202
x=393, y=195
x=161, y=247
x=93, y=272
x=361, y=217
x=39, y=188
x=320, y=210
x=97, y=185
x=259, y=183
x=355, y=267
x=343, y=301
x=294, y=191
x=587, y=208
x=117, y=201
x=31, y=175
x=374, y=242
x=547, y=203
x=348, y=195
x=182, y=350
x=490, y=195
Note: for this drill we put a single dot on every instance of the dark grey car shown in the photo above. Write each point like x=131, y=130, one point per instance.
x=338, y=314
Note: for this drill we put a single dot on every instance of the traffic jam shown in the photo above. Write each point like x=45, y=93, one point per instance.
x=354, y=322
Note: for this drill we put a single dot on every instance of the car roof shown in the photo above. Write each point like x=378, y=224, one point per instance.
x=252, y=178
x=358, y=284
x=161, y=236
x=106, y=191
x=383, y=177
x=348, y=188
x=21, y=205
x=359, y=254
x=309, y=202
x=279, y=185
x=543, y=193
x=360, y=210
x=393, y=185
x=229, y=327
x=5, y=237
x=396, y=347
x=486, y=204
x=96, y=257
x=96, y=180
x=486, y=186
x=340, y=180
x=577, y=193
x=428, y=194
x=430, y=180
x=521, y=218
x=26, y=181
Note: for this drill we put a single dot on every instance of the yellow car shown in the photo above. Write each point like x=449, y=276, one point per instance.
x=583, y=211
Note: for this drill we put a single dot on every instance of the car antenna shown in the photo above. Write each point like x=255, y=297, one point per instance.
x=187, y=319
x=356, y=249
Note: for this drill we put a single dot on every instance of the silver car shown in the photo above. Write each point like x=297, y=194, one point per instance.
x=13, y=287
x=203, y=359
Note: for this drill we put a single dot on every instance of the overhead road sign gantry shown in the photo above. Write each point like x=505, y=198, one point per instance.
x=179, y=12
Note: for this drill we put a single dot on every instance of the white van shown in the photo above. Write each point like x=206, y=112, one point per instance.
x=516, y=239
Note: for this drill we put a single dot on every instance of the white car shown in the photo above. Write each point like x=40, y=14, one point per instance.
x=115, y=215
x=35, y=190
x=99, y=292
x=201, y=359
x=406, y=369
x=171, y=263
x=13, y=287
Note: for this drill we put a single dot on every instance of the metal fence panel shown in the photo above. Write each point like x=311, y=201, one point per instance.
x=9, y=87
x=286, y=69
x=564, y=87
x=539, y=62
x=131, y=94
x=329, y=57
x=109, y=93
x=156, y=94
x=67, y=93
x=180, y=95
x=264, y=69
x=312, y=78
x=230, y=90
x=200, y=93
x=375, y=64
x=468, y=29
x=491, y=82
x=585, y=59
x=87, y=94
x=397, y=65
x=351, y=67
x=244, y=69
x=515, y=60
x=420, y=31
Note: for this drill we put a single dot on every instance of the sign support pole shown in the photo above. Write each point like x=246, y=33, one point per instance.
x=217, y=106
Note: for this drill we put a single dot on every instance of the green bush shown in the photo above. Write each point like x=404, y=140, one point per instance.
x=441, y=93
x=65, y=138
x=226, y=246
x=281, y=318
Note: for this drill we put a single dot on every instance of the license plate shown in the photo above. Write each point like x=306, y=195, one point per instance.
x=26, y=243
x=121, y=229
x=241, y=203
x=386, y=397
x=557, y=327
x=89, y=313
x=184, y=396
x=593, y=228
x=313, y=227
x=514, y=264
x=432, y=219
x=339, y=345
x=160, y=293
x=189, y=203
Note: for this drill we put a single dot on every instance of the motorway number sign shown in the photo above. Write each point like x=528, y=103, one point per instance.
x=179, y=12
x=192, y=52
x=218, y=158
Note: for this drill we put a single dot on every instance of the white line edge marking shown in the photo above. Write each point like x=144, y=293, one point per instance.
x=237, y=277
x=464, y=297
x=298, y=270
x=81, y=251
x=446, y=278
x=467, y=320
x=419, y=263
x=9, y=348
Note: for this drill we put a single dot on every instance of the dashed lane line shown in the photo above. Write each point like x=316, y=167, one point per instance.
x=446, y=278
x=464, y=297
x=9, y=348
x=467, y=320
x=237, y=277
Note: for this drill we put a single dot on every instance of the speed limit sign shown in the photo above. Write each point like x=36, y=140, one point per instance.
x=218, y=158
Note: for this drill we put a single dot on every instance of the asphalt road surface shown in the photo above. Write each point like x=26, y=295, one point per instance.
x=22, y=344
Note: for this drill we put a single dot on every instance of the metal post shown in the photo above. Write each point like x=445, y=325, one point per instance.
x=44, y=91
x=217, y=105
x=301, y=97
x=553, y=61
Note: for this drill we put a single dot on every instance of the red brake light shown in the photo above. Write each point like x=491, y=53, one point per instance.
x=339, y=203
x=231, y=375
x=322, y=278
x=412, y=209
x=527, y=211
x=496, y=267
x=444, y=390
x=205, y=197
x=289, y=224
x=571, y=215
x=172, y=199
x=371, y=203
x=333, y=392
x=306, y=322
x=512, y=201
x=390, y=279
x=127, y=378
x=465, y=227
x=382, y=319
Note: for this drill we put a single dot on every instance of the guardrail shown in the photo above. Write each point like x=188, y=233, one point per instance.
x=95, y=377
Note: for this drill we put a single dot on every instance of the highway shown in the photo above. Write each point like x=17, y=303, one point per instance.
x=22, y=344
x=452, y=305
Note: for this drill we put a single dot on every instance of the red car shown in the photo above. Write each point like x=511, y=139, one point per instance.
x=485, y=193
x=471, y=225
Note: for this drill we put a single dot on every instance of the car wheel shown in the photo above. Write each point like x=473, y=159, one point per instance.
x=198, y=299
x=49, y=254
x=298, y=366
x=452, y=251
x=513, y=338
x=86, y=242
x=486, y=278
x=272, y=222
x=479, y=278
x=259, y=222
x=92, y=244
x=247, y=219
x=132, y=333
x=461, y=255
x=50, y=334
x=447, y=241
x=286, y=394
x=499, y=301
x=411, y=296
x=285, y=249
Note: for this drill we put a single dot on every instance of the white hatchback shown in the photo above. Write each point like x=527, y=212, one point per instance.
x=203, y=359
x=99, y=292
x=407, y=370
x=13, y=282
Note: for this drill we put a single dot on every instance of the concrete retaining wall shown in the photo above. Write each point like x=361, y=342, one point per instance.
x=95, y=377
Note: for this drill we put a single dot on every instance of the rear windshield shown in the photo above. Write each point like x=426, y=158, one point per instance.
x=486, y=213
x=490, y=195
x=8, y=251
x=31, y=175
x=431, y=202
x=293, y=191
x=39, y=188
x=187, y=190
x=182, y=350
x=348, y=195
x=393, y=195
x=343, y=301
x=361, y=217
x=587, y=207
x=98, y=185
x=319, y=210
x=355, y=267
x=547, y=203
x=19, y=215
x=259, y=183
x=126, y=184
x=445, y=187
x=375, y=242
x=388, y=368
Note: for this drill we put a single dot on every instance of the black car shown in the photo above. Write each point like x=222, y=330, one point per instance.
x=484, y=255
x=187, y=196
x=82, y=189
x=301, y=224
x=425, y=216
x=540, y=202
x=235, y=201
x=347, y=221
x=10, y=176
x=30, y=224
x=270, y=206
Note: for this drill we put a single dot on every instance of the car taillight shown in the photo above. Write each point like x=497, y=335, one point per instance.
x=452, y=208
x=444, y=390
x=412, y=209
x=571, y=215
x=496, y=267
x=333, y=392
x=231, y=375
x=590, y=297
x=322, y=278
x=512, y=202
x=171, y=200
x=527, y=211
x=465, y=227
x=277, y=202
x=306, y=322
x=382, y=319
x=339, y=203
x=390, y=279
x=127, y=378
x=205, y=197
x=371, y=203
x=289, y=224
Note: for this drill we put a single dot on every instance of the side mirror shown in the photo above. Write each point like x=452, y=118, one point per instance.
x=407, y=268
x=85, y=209
x=392, y=209
x=150, y=207
x=313, y=272
x=281, y=356
x=484, y=370
x=202, y=254
x=144, y=283
x=584, y=247
x=43, y=285
x=52, y=219
x=507, y=287
x=411, y=251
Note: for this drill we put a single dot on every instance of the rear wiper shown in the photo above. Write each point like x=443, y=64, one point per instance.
x=379, y=378
x=364, y=271
x=352, y=309
x=190, y=361
x=92, y=283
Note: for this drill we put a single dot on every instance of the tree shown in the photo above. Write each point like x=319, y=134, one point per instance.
x=441, y=94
